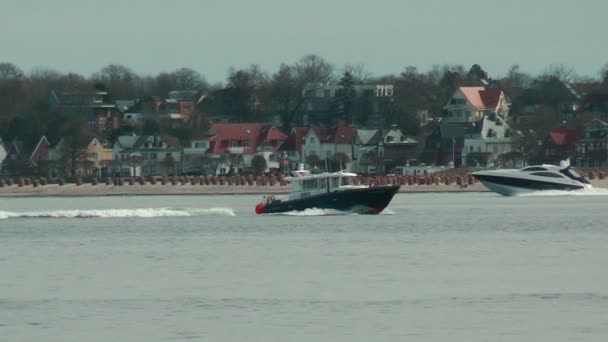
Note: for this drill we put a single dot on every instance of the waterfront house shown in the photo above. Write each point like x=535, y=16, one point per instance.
x=233, y=147
x=381, y=151
x=560, y=144
x=471, y=104
x=91, y=160
x=592, y=148
x=486, y=141
x=146, y=156
x=291, y=150
x=94, y=106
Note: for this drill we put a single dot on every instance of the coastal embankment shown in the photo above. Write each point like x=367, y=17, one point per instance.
x=234, y=185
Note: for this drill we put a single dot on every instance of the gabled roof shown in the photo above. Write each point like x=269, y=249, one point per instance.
x=368, y=136
x=344, y=134
x=564, y=136
x=295, y=140
x=482, y=98
x=596, y=123
x=42, y=143
x=253, y=134
x=127, y=141
x=324, y=134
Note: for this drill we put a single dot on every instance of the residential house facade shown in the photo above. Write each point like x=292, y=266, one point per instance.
x=592, y=148
x=470, y=104
x=146, y=156
x=486, y=140
x=100, y=113
x=233, y=147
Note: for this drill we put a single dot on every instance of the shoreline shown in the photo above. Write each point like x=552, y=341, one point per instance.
x=88, y=190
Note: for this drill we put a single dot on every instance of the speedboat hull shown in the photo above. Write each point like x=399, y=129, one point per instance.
x=513, y=186
x=372, y=200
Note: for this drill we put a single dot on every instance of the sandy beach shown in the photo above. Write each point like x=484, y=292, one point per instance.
x=189, y=189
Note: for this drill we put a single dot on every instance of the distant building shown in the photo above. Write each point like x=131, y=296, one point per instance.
x=232, y=147
x=470, y=104
x=486, y=140
x=592, y=148
x=94, y=106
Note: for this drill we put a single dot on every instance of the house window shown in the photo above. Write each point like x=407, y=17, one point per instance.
x=389, y=138
x=232, y=144
x=311, y=140
x=153, y=156
x=246, y=143
x=271, y=157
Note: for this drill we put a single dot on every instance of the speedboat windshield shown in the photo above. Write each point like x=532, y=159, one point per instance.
x=570, y=173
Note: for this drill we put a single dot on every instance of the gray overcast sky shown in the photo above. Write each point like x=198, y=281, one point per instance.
x=211, y=35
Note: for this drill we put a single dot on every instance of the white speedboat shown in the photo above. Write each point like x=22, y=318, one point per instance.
x=511, y=182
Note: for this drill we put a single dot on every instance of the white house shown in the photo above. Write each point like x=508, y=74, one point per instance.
x=470, y=104
x=490, y=137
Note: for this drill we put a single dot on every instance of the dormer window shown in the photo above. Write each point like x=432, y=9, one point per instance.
x=491, y=133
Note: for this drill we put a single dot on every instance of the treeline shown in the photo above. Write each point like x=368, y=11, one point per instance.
x=251, y=94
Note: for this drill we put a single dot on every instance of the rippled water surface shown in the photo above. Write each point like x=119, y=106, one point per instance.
x=434, y=267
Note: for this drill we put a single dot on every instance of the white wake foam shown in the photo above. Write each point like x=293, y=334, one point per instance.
x=119, y=213
x=315, y=212
x=582, y=192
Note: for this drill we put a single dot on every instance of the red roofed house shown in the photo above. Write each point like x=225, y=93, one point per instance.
x=326, y=143
x=559, y=145
x=291, y=150
x=233, y=146
x=470, y=104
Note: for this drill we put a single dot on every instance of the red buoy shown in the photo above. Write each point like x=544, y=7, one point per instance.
x=260, y=209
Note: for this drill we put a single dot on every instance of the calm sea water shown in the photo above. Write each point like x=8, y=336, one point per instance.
x=436, y=267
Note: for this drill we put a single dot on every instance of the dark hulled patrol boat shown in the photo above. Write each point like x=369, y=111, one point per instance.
x=335, y=190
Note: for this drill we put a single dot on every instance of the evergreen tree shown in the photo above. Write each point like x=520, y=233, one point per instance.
x=345, y=97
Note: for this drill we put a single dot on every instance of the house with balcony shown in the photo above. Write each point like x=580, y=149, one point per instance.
x=592, y=148
x=319, y=101
x=291, y=151
x=560, y=144
x=329, y=143
x=471, y=104
x=171, y=111
x=92, y=160
x=95, y=106
x=382, y=151
x=146, y=156
x=196, y=161
x=486, y=140
x=233, y=147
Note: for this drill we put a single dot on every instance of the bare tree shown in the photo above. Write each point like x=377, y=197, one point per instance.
x=561, y=72
x=515, y=78
x=134, y=162
x=120, y=80
x=188, y=79
x=358, y=71
x=258, y=163
x=9, y=71
x=314, y=69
